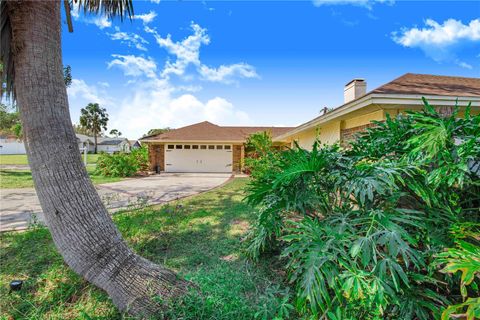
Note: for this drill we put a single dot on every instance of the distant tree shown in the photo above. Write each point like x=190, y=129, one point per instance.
x=81, y=130
x=116, y=133
x=95, y=119
x=10, y=121
x=154, y=132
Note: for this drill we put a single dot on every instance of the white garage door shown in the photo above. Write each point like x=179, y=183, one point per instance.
x=198, y=158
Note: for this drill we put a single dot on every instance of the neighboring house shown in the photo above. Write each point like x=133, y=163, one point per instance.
x=134, y=144
x=202, y=147
x=112, y=145
x=85, y=142
x=360, y=108
x=10, y=144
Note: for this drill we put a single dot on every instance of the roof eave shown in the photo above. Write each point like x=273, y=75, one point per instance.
x=379, y=99
x=193, y=141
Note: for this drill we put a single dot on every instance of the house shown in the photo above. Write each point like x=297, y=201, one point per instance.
x=104, y=144
x=202, y=147
x=134, y=144
x=85, y=142
x=10, y=144
x=112, y=145
x=360, y=108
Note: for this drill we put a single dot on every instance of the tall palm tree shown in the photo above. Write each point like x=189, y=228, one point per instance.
x=80, y=225
x=94, y=119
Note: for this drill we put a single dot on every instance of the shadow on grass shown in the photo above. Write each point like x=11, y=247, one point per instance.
x=17, y=173
x=200, y=237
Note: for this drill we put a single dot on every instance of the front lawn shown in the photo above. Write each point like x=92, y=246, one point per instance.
x=199, y=237
x=10, y=179
x=21, y=159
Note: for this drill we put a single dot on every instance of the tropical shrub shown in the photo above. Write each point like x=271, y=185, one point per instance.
x=261, y=156
x=122, y=164
x=360, y=229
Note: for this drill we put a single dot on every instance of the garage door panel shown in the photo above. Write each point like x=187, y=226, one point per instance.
x=198, y=160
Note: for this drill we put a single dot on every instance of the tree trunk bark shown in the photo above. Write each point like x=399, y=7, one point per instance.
x=80, y=225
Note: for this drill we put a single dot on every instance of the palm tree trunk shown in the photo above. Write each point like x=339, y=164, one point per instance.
x=80, y=225
x=95, y=141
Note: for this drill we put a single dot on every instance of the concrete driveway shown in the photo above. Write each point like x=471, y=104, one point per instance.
x=19, y=208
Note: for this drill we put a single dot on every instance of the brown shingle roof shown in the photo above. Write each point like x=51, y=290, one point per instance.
x=425, y=84
x=207, y=131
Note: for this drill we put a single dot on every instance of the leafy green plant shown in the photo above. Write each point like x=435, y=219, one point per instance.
x=359, y=228
x=122, y=164
x=464, y=258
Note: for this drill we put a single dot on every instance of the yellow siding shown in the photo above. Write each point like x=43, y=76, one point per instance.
x=363, y=120
x=330, y=133
x=327, y=134
x=306, y=139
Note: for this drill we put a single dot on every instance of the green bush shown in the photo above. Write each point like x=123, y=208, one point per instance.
x=360, y=229
x=122, y=164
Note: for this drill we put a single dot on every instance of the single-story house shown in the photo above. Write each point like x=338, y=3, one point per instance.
x=202, y=147
x=360, y=108
x=85, y=142
x=112, y=145
x=10, y=144
x=104, y=144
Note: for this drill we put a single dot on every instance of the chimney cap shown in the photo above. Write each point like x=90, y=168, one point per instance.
x=355, y=80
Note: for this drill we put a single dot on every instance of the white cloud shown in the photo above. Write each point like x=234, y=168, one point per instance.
x=130, y=39
x=152, y=104
x=104, y=84
x=226, y=73
x=100, y=21
x=134, y=66
x=360, y=3
x=187, y=52
x=155, y=1
x=153, y=100
x=146, y=17
x=441, y=42
x=80, y=89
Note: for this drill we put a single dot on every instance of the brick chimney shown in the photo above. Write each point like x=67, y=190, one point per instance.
x=354, y=90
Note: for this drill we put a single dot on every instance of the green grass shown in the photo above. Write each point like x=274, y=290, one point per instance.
x=199, y=237
x=10, y=179
x=21, y=159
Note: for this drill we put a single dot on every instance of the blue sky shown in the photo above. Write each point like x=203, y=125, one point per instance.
x=257, y=63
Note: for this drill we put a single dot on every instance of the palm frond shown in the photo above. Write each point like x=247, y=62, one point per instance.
x=109, y=8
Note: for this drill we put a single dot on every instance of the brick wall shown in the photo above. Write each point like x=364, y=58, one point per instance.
x=347, y=135
x=237, y=158
x=156, y=156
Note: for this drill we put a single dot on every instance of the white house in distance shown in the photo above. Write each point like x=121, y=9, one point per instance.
x=112, y=145
x=10, y=144
x=104, y=144
x=85, y=142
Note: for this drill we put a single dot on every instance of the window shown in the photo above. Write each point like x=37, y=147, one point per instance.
x=227, y=147
x=170, y=146
x=219, y=147
x=211, y=147
x=203, y=147
x=178, y=146
x=187, y=146
x=195, y=146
